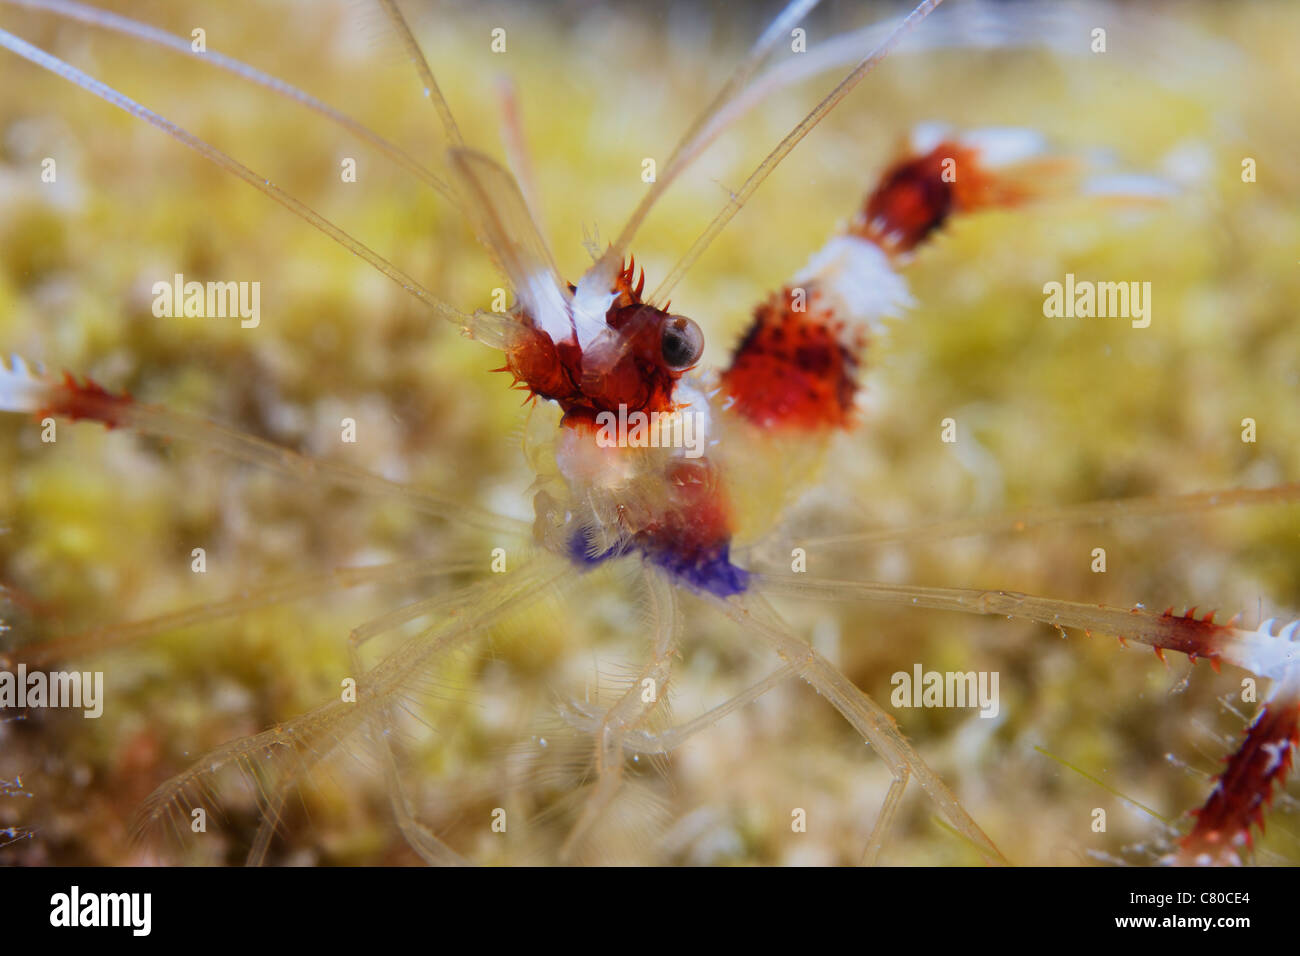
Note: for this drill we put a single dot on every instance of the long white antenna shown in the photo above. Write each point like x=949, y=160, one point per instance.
x=773, y=159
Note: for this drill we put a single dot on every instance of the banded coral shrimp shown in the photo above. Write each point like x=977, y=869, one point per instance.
x=758, y=768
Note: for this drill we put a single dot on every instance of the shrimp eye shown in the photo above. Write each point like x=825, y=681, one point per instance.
x=683, y=343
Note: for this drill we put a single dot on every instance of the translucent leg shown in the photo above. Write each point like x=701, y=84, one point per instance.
x=420, y=837
x=661, y=742
x=1259, y=651
x=115, y=636
x=885, y=819
x=430, y=848
x=1094, y=511
x=630, y=710
x=25, y=389
x=157, y=421
x=753, y=613
x=275, y=760
x=1264, y=757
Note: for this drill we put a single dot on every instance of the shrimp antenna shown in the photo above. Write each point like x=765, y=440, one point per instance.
x=468, y=324
x=783, y=149
x=70, y=10
x=984, y=25
x=512, y=133
x=432, y=91
x=691, y=142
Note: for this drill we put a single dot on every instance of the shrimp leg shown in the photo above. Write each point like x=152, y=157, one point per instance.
x=630, y=710
x=114, y=636
x=1089, y=512
x=275, y=760
x=753, y=613
x=421, y=839
x=27, y=389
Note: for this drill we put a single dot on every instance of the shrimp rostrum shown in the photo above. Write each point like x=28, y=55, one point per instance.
x=709, y=504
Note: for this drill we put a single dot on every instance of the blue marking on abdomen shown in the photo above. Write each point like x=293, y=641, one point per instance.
x=709, y=570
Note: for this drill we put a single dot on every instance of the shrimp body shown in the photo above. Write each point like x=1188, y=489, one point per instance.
x=655, y=350
x=628, y=493
x=794, y=374
x=687, y=532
